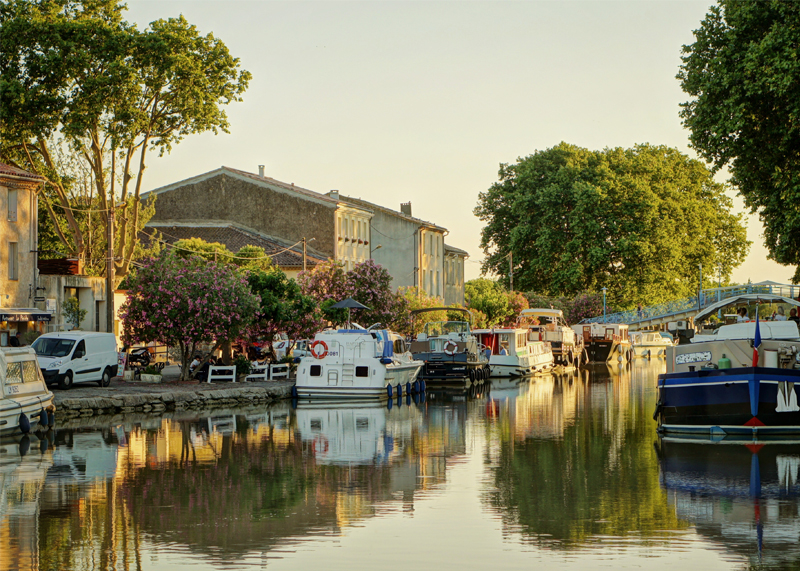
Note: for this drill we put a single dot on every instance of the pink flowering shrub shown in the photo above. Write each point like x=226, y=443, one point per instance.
x=368, y=283
x=186, y=302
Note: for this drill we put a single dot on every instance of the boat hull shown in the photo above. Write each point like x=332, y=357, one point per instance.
x=649, y=351
x=32, y=406
x=374, y=387
x=745, y=400
x=443, y=367
x=602, y=351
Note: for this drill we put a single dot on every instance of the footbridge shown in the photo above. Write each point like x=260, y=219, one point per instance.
x=655, y=316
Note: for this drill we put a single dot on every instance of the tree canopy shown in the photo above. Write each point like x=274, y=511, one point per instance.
x=78, y=77
x=638, y=221
x=743, y=74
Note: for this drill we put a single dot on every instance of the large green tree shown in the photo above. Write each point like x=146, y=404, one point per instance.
x=743, y=74
x=78, y=76
x=638, y=221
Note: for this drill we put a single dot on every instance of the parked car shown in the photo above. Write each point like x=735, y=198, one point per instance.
x=77, y=357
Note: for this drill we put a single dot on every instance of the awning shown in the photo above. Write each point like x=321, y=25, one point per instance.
x=24, y=314
x=743, y=299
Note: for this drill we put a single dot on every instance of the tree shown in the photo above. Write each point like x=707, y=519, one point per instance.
x=368, y=283
x=413, y=299
x=637, y=221
x=742, y=73
x=490, y=298
x=187, y=302
x=72, y=312
x=76, y=73
x=283, y=307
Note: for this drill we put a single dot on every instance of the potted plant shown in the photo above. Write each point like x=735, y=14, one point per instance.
x=151, y=374
x=243, y=367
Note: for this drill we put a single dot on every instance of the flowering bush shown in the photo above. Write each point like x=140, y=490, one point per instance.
x=186, y=302
x=585, y=305
x=368, y=283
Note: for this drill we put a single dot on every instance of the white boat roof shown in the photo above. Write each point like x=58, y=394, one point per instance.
x=500, y=330
x=542, y=311
x=744, y=298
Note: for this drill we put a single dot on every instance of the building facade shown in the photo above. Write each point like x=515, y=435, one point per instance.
x=346, y=229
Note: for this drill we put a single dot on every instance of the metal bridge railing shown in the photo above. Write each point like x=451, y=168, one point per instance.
x=707, y=297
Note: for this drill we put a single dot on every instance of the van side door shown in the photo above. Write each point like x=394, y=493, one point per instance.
x=80, y=365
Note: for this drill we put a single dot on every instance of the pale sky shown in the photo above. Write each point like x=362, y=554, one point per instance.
x=421, y=101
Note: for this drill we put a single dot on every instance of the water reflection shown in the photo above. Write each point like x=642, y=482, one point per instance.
x=573, y=460
x=745, y=497
x=551, y=466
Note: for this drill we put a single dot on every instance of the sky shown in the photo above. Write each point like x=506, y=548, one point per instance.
x=422, y=101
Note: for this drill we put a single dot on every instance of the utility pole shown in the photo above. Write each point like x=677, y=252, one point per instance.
x=110, y=254
x=304, y=253
x=700, y=286
x=511, y=270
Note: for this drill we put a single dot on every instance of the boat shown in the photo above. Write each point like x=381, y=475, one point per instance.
x=605, y=341
x=649, y=344
x=549, y=325
x=523, y=357
x=357, y=363
x=449, y=349
x=741, y=382
x=26, y=404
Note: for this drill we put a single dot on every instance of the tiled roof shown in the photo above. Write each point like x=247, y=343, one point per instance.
x=449, y=248
x=287, y=186
x=16, y=172
x=235, y=238
x=364, y=203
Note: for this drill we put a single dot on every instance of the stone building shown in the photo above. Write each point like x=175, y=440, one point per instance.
x=223, y=202
x=18, y=239
x=454, y=259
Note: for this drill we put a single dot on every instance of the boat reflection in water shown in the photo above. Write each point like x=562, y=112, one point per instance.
x=742, y=495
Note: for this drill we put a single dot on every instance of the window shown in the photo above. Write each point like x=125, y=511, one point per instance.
x=316, y=371
x=13, y=270
x=12, y=205
x=362, y=371
x=80, y=350
x=24, y=372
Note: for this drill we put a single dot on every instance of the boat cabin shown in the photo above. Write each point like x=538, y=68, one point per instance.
x=437, y=334
x=493, y=340
x=602, y=331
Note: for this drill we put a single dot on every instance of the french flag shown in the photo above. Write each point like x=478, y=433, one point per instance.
x=756, y=342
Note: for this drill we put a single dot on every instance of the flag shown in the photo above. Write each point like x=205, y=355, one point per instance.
x=756, y=341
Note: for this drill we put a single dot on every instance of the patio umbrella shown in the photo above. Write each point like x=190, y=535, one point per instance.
x=349, y=303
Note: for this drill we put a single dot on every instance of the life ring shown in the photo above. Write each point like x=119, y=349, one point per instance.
x=324, y=352
x=320, y=444
x=453, y=344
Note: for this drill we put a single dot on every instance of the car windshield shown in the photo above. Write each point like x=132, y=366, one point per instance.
x=53, y=347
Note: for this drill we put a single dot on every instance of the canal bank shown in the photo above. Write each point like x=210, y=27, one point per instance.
x=123, y=397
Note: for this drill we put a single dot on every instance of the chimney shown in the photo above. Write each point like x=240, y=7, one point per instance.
x=261, y=171
x=334, y=194
x=405, y=208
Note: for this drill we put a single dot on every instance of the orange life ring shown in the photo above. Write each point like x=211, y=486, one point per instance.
x=316, y=355
x=320, y=444
x=453, y=344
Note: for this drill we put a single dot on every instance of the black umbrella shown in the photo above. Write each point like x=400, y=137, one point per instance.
x=349, y=303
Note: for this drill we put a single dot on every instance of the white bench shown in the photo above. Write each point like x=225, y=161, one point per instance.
x=258, y=374
x=222, y=373
x=279, y=371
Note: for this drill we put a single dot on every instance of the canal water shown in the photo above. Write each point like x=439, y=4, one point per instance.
x=562, y=471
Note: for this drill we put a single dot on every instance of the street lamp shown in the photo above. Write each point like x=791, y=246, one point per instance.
x=378, y=247
x=604, y=305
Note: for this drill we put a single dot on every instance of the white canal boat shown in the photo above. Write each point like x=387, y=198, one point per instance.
x=357, y=363
x=515, y=352
x=26, y=404
x=649, y=344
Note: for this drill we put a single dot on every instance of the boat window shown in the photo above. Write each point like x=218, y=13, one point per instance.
x=399, y=346
x=362, y=423
x=24, y=372
x=316, y=371
x=362, y=371
x=53, y=347
x=316, y=425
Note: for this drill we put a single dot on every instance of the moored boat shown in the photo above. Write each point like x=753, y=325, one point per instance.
x=26, y=404
x=548, y=325
x=649, y=344
x=605, y=341
x=523, y=357
x=357, y=363
x=449, y=349
x=744, y=382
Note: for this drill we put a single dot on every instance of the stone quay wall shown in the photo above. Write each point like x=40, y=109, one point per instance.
x=104, y=402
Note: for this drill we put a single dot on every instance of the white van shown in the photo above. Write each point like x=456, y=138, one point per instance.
x=77, y=357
